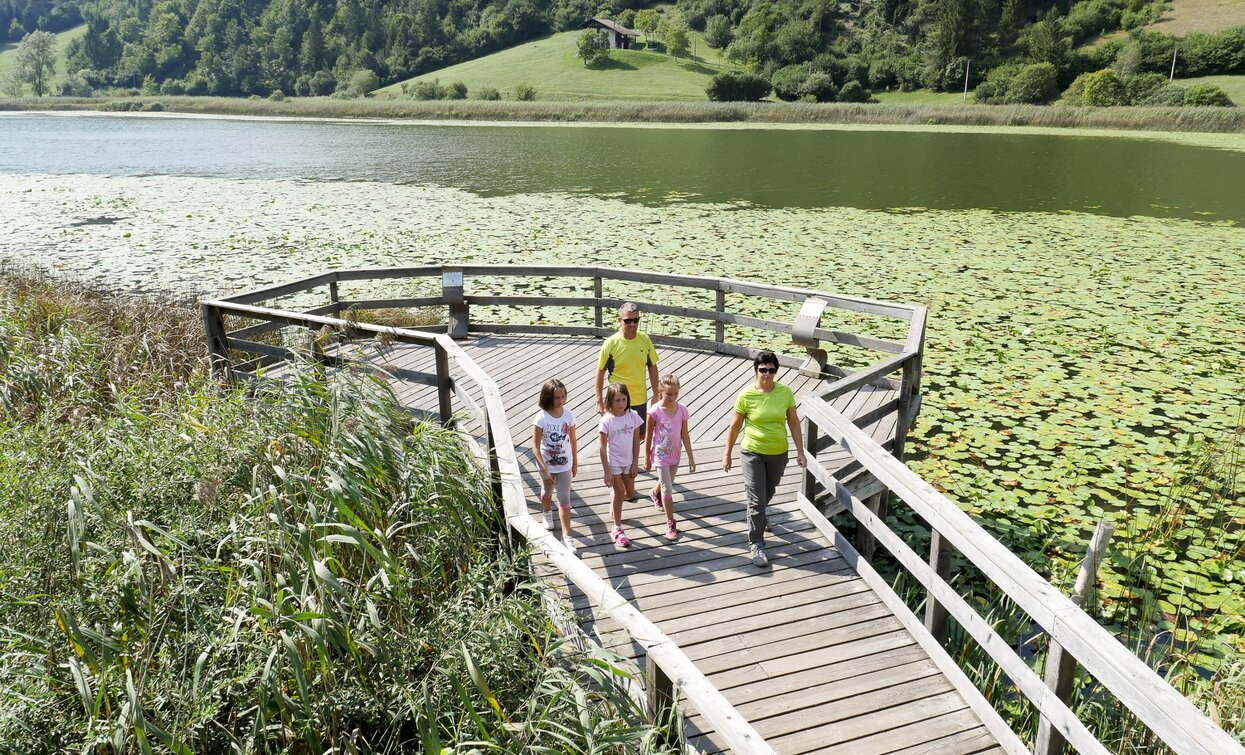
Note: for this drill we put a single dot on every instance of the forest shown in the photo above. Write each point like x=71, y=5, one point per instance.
x=1024, y=50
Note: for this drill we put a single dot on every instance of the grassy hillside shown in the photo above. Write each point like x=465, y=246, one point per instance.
x=1201, y=15
x=549, y=64
x=1233, y=85
x=8, y=53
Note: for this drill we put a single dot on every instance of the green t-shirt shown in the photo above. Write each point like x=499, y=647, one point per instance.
x=627, y=362
x=765, y=418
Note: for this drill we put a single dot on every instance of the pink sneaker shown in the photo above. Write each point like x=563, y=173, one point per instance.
x=672, y=531
x=655, y=496
x=621, y=540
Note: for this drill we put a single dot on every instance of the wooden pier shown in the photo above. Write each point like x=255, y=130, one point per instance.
x=814, y=653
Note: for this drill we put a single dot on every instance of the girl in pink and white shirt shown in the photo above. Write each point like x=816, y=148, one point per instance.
x=664, y=438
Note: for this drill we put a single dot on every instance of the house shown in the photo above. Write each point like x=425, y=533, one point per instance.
x=621, y=38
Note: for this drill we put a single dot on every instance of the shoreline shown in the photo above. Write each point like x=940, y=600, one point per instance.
x=1218, y=128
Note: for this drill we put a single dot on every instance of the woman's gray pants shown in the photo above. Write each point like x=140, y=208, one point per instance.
x=761, y=475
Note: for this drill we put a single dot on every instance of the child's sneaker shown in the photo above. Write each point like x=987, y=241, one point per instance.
x=548, y=520
x=758, y=555
x=621, y=540
x=672, y=530
x=654, y=495
x=571, y=543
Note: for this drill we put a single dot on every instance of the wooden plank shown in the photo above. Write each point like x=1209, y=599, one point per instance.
x=842, y=733
x=968, y=742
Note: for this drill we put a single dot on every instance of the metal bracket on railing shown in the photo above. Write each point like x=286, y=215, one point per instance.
x=802, y=334
x=453, y=295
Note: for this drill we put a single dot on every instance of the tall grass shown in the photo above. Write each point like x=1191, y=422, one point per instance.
x=191, y=569
x=1203, y=119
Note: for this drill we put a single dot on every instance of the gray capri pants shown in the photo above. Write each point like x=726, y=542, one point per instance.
x=561, y=484
x=762, y=473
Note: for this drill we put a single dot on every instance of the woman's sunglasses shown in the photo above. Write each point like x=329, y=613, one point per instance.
x=767, y=370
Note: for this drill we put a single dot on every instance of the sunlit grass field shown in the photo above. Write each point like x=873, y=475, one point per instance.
x=549, y=64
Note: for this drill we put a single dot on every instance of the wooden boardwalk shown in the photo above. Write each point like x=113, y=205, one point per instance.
x=803, y=649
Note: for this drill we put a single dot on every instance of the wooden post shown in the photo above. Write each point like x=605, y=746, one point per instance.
x=810, y=450
x=597, y=290
x=1060, y=665
x=217, y=343
x=452, y=293
x=334, y=299
x=661, y=702
x=445, y=386
x=864, y=541
x=940, y=562
x=719, y=327
x=908, y=398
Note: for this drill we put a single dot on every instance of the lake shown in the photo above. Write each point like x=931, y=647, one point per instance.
x=1085, y=293
x=771, y=168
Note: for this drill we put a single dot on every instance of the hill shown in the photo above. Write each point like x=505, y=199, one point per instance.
x=8, y=53
x=549, y=64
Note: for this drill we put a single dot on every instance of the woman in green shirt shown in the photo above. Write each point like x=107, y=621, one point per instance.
x=761, y=410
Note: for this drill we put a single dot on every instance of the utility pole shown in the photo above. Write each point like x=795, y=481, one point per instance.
x=1172, y=76
x=968, y=64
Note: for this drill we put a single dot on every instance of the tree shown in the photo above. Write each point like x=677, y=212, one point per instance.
x=1102, y=89
x=647, y=21
x=1035, y=84
x=36, y=60
x=789, y=82
x=718, y=32
x=674, y=37
x=592, y=47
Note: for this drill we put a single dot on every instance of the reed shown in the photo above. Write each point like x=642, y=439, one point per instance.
x=1193, y=119
x=187, y=568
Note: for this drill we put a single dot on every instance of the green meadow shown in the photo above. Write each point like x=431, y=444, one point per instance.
x=8, y=53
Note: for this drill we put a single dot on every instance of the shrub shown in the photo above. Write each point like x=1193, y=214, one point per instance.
x=428, y=90
x=788, y=81
x=321, y=83
x=154, y=107
x=1139, y=87
x=737, y=86
x=456, y=91
x=1206, y=95
x=998, y=81
x=626, y=17
x=75, y=85
x=363, y=81
x=852, y=91
x=172, y=87
x=1101, y=89
x=1165, y=96
x=1035, y=84
x=525, y=92
x=718, y=32
x=488, y=93
x=820, y=87
x=277, y=95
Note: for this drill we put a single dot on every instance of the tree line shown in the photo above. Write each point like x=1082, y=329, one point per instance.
x=1021, y=50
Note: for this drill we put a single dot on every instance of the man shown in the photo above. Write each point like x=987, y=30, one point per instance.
x=625, y=357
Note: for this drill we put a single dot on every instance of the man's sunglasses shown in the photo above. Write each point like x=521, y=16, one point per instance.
x=631, y=320
x=767, y=370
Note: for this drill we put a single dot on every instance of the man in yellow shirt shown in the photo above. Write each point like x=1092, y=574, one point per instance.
x=626, y=356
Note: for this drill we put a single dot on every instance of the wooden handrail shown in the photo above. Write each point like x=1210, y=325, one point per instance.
x=1165, y=711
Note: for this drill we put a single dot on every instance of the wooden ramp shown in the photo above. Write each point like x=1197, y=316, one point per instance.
x=804, y=649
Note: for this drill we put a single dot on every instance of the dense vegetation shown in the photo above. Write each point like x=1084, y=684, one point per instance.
x=193, y=569
x=1027, y=51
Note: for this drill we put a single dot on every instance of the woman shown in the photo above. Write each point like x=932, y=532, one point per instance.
x=760, y=410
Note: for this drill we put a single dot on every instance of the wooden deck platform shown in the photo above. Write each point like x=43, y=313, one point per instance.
x=804, y=649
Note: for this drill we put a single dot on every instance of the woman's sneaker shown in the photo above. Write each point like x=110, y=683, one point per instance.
x=654, y=495
x=621, y=540
x=571, y=543
x=758, y=555
x=548, y=520
x=672, y=530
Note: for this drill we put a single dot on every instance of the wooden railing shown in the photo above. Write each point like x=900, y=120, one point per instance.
x=670, y=671
x=1168, y=714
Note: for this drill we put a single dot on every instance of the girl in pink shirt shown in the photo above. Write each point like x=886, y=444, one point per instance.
x=620, y=453
x=663, y=444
